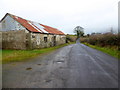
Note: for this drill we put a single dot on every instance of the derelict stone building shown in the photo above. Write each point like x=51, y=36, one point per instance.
x=19, y=33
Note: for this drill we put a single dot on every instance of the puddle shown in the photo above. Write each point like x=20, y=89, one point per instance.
x=48, y=81
x=28, y=68
x=60, y=61
x=38, y=64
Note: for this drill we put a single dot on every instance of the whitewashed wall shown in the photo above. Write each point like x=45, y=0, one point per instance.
x=10, y=24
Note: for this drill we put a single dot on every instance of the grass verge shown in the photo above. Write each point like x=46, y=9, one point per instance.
x=0, y=56
x=108, y=50
x=22, y=55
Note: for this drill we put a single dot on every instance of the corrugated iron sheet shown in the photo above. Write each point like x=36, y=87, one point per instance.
x=36, y=27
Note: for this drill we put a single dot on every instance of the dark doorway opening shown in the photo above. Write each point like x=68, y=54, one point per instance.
x=54, y=40
x=45, y=39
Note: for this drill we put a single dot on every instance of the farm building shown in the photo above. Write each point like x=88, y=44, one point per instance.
x=19, y=33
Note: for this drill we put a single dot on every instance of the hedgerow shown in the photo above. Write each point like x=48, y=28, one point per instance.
x=103, y=40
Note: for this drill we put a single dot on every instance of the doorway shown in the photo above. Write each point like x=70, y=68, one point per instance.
x=54, y=41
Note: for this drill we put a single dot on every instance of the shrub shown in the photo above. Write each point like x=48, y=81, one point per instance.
x=107, y=39
x=71, y=38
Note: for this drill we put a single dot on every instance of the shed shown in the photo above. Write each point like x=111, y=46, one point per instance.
x=19, y=33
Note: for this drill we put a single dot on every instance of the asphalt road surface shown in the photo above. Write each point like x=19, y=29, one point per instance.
x=73, y=66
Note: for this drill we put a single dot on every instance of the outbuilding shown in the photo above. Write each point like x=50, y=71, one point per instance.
x=19, y=33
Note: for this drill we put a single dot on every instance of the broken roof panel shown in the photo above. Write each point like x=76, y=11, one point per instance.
x=40, y=27
x=36, y=27
x=51, y=29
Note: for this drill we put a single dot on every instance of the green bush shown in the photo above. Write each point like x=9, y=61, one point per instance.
x=71, y=38
x=103, y=40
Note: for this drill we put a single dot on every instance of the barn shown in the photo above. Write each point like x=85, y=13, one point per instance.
x=19, y=33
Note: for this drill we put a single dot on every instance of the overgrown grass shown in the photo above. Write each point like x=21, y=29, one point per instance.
x=108, y=50
x=22, y=55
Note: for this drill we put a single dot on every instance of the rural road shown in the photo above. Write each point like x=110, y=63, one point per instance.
x=73, y=66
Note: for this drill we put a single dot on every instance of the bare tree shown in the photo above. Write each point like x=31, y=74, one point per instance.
x=79, y=31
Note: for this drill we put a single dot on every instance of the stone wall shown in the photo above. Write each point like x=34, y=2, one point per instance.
x=14, y=39
x=46, y=40
x=21, y=39
x=0, y=40
x=60, y=39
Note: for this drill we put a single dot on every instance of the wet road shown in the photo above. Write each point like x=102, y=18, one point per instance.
x=73, y=66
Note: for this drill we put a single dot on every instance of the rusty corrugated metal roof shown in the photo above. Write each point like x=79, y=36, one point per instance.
x=36, y=27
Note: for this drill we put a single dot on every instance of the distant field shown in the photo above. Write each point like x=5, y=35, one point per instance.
x=22, y=55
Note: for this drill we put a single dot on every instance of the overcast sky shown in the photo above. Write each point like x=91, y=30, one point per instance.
x=92, y=15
